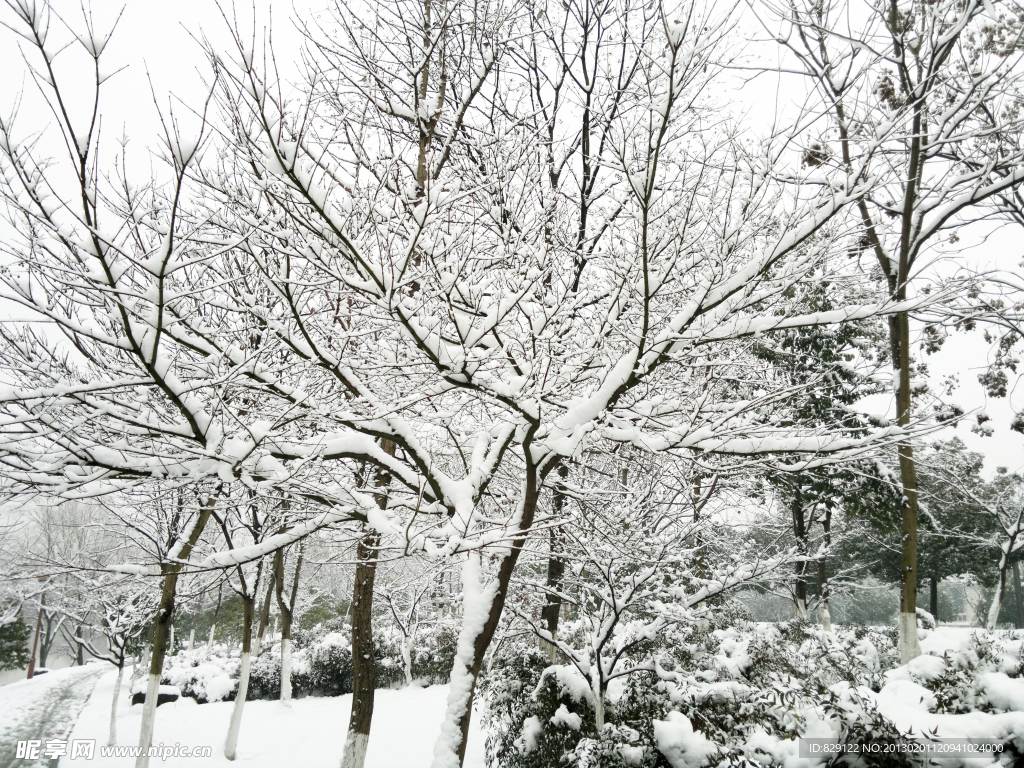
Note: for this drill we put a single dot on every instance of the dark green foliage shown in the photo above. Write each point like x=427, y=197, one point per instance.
x=14, y=639
x=523, y=694
x=870, y=728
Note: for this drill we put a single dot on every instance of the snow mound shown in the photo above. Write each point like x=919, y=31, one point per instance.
x=682, y=746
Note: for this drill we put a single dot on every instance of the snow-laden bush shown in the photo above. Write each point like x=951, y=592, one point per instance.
x=322, y=665
x=265, y=676
x=431, y=655
x=328, y=667
x=712, y=695
x=202, y=675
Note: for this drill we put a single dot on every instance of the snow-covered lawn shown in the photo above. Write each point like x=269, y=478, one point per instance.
x=309, y=733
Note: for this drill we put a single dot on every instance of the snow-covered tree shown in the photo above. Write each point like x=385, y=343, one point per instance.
x=119, y=611
x=410, y=251
x=921, y=97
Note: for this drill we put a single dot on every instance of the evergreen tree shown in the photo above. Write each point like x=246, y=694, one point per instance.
x=14, y=640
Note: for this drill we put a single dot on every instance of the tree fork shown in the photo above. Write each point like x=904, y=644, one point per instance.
x=503, y=579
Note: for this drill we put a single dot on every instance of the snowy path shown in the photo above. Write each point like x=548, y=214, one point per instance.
x=45, y=707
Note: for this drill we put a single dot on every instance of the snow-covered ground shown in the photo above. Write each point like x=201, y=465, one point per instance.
x=309, y=733
x=74, y=704
x=44, y=707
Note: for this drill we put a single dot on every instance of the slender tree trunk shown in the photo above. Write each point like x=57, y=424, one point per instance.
x=899, y=330
x=286, y=607
x=112, y=737
x=556, y=571
x=46, y=639
x=80, y=651
x=700, y=564
x=1019, y=594
x=823, y=586
x=231, y=744
x=1004, y=567
x=264, y=615
x=142, y=665
x=598, y=690
x=997, y=598
x=800, y=531
x=191, y=639
x=161, y=625
x=35, y=640
x=286, y=660
x=161, y=633
x=364, y=663
x=407, y=644
x=488, y=602
x=364, y=672
x=933, y=599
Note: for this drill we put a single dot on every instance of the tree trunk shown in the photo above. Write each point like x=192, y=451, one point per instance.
x=80, y=651
x=800, y=531
x=556, y=570
x=364, y=669
x=264, y=616
x=147, y=652
x=598, y=703
x=286, y=609
x=112, y=737
x=1004, y=567
x=899, y=332
x=407, y=645
x=191, y=638
x=933, y=599
x=364, y=672
x=700, y=557
x=1017, y=592
x=231, y=744
x=486, y=602
x=35, y=640
x=46, y=639
x=161, y=625
x=823, y=586
x=997, y=598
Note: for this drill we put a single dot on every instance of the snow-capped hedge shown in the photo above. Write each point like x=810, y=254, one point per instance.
x=741, y=695
x=321, y=665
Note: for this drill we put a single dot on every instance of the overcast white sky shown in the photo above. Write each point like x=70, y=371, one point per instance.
x=154, y=42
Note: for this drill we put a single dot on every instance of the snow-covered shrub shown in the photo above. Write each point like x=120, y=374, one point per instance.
x=433, y=654
x=329, y=665
x=536, y=713
x=742, y=695
x=265, y=676
x=302, y=638
x=322, y=666
x=203, y=676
